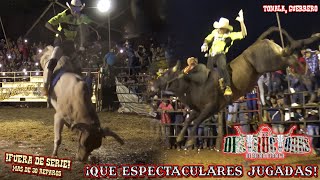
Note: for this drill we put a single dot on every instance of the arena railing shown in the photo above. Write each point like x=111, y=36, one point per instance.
x=173, y=134
x=25, y=87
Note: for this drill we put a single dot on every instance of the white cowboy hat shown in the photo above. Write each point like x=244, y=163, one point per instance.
x=223, y=23
x=192, y=60
x=309, y=50
x=76, y=4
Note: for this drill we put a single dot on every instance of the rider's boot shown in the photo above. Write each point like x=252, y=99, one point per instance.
x=228, y=91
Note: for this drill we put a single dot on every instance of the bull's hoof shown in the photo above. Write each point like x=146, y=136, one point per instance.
x=180, y=138
x=190, y=142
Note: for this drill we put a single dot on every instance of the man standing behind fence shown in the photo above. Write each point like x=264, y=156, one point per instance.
x=311, y=77
x=276, y=115
x=165, y=119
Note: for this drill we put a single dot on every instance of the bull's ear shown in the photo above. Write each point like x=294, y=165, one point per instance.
x=176, y=67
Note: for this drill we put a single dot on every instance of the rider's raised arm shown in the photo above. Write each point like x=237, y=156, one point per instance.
x=240, y=18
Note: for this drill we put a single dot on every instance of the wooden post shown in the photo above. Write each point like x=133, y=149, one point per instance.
x=221, y=126
x=4, y=32
x=279, y=25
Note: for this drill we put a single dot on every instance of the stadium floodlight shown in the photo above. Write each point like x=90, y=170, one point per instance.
x=104, y=5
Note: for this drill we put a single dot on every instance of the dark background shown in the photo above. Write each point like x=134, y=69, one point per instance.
x=186, y=21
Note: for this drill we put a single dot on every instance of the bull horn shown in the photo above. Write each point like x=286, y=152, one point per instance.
x=108, y=132
x=298, y=44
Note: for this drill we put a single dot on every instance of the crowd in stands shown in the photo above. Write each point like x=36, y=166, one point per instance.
x=137, y=58
x=18, y=55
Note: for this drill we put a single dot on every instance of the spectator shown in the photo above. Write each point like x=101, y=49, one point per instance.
x=244, y=119
x=164, y=107
x=252, y=103
x=295, y=81
x=299, y=116
x=110, y=58
x=89, y=80
x=311, y=74
x=263, y=80
x=313, y=127
x=275, y=114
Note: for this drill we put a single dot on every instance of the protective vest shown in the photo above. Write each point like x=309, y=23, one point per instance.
x=221, y=42
x=68, y=23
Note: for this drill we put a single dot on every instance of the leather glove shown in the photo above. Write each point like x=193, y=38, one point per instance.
x=240, y=17
x=204, y=47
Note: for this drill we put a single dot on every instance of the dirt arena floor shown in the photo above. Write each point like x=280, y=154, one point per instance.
x=30, y=131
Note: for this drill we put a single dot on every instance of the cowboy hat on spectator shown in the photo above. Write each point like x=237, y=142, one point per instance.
x=309, y=50
x=76, y=5
x=223, y=23
x=192, y=60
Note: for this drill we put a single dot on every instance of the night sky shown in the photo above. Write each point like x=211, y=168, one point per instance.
x=187, y=21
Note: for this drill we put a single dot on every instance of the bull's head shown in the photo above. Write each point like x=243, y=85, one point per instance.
x=164, y=81
x=90, y=138
x=44, y=56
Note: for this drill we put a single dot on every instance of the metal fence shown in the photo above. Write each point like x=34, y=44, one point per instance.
x=25, y=86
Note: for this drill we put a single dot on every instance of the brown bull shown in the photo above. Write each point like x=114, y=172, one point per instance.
x=200, y=88
x=71, y=99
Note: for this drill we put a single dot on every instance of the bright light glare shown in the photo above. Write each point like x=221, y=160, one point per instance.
x=9, y=56
x=37, y=73
x=24, y=70
x=3, y=74
x=0, y=65
x=121, y=50
x=40, y=50
x=25, y=40
x=25, y=73
x=37, y=64
x=104, y=5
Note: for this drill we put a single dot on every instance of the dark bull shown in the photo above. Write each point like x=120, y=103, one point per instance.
x=200, y=88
